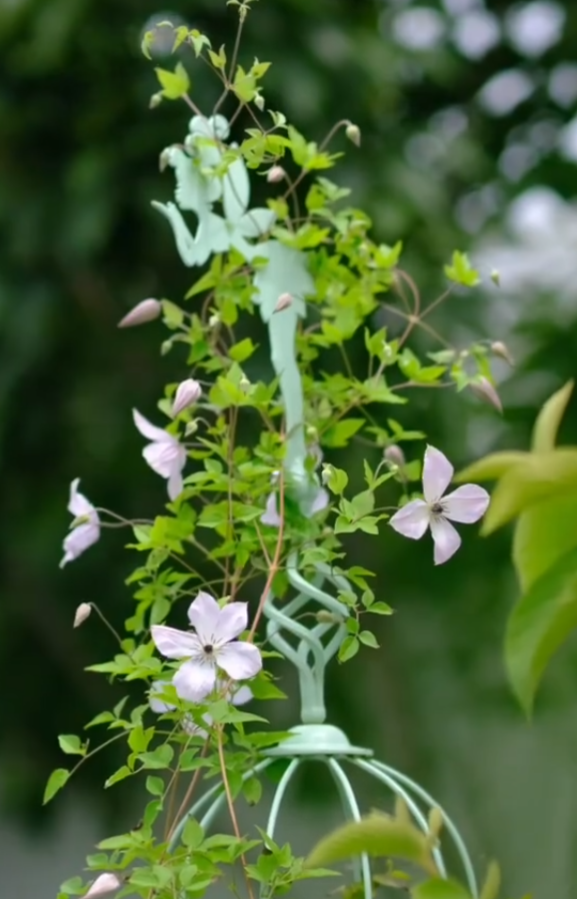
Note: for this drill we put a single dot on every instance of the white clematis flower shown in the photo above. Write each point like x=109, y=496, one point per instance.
x=465, y=505
x=86, y=532
x=165, y=454
x=211, y=648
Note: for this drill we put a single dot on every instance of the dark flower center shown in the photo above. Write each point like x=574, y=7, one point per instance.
x=208, y=648
x=437, y=509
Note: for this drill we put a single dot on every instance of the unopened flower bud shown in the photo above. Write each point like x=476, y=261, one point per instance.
x=312, y=434
x=259, y=102
x=82, y=613
x=103, y=886
x=284, y=301
x=244, y=384
x=486, y=392
x=275, y=174
x=164, y=159
x=326, y=473
x=154, y=101
x=353, y=133
x=435, y=822
x=213, y=320
x=143, y=312
x=498, y=348
x=325, y=617
x=496, y=277
x=395, y=455
x=187, y=393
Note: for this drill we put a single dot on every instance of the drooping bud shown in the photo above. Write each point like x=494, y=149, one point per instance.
x=103, y=886
x=154, y=101
x=214, y=320
x=284, y=301
x=244, y=384
x=353, y=133
x=191, y=428
x=486, y=392
x=83, y=612
x=143, y=312
x=187, y=393
x=496, y=277
x=259, y=102
x=498, y=348
x=395, y=455
x=275, y=174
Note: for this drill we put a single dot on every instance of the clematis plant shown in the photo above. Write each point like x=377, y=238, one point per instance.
x=226, y=548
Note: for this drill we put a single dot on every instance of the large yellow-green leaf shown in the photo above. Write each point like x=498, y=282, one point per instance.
x=491, y=467
x=377, y=835
x=541, y=476
x=440, y=889
x=543, y=534
x=539, y=624
x=549, y=419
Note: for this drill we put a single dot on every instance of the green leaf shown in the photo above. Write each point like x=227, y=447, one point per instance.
x=119, y=775
x=491, y=467
x=543, y=534
x=242, y=350
x=71, y=744
x=161, y=757
x=252, y=790
x=378, y=835
x=541, y=476
x=193, y=834
x=367, y=638
x=539, y=624
x=339, y=434
x=174, y=84
x=335, y=479
x=461, y=271
x=349, y=648
x=55, y=783
x=549, y=419
x=155, y=785
x=437, y=888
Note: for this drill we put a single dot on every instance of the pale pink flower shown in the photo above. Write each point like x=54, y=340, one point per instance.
x=143, y=312
x=165, y=454
x=187, y=393
x=211, y=648
x=103, y=886
x=86, y=532
x=466, y=505
x=275, y=174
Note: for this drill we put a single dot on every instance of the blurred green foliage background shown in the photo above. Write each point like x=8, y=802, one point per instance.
x=470, y=142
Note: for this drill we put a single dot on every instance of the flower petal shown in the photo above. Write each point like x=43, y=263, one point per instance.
x=78, y=540
x=166, y=459
x=203, y=614
x=233, y=620
x=147, y=429
x=159, y=705
x=195, y=680
x=466, y=504
x=239, y=660
x=241, y=696
x=447, y=540
x=78, y=504
x=175, y=485
x=320, y=501
x=270, y=515
x=174, y=644
x=412, y=520
x=437, y=474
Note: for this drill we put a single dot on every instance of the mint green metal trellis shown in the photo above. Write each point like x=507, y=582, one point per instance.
x=309, y=649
